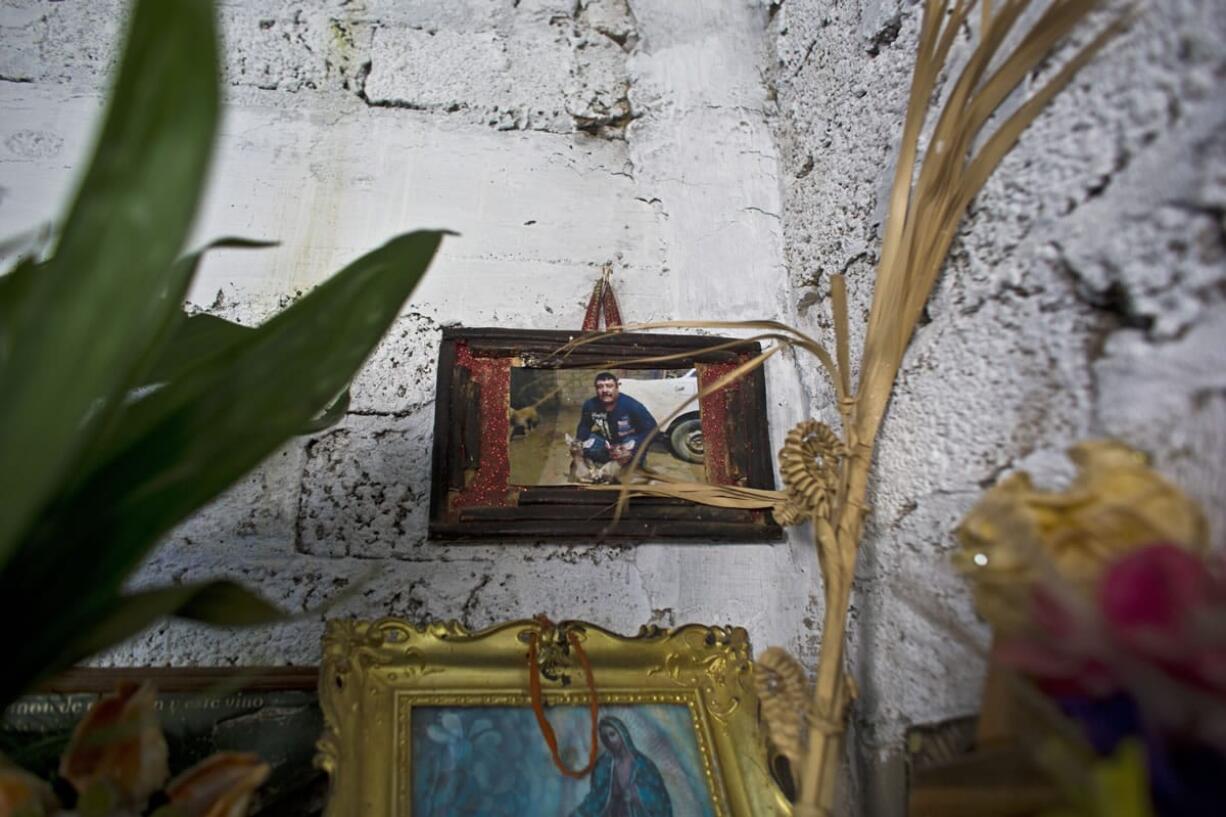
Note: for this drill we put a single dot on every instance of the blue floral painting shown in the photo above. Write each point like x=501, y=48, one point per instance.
x=494, y=762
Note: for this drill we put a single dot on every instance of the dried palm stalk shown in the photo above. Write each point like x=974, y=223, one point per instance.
x=923, y=217
x=826, y=483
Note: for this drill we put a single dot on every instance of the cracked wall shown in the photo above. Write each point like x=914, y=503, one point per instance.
x=1083, y=297
x=555, y=137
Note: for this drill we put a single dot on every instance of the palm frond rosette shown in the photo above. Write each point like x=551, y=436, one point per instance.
x=809, y=464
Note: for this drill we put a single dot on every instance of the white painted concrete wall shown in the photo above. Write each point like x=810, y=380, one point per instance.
x=555, y=137
x=726, y=156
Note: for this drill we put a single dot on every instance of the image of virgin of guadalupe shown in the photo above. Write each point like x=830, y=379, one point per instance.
x=625, y=783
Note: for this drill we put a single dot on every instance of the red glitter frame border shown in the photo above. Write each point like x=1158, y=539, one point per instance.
x=490, y=483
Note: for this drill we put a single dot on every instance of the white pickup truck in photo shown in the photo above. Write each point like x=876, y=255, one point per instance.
x=662, y=396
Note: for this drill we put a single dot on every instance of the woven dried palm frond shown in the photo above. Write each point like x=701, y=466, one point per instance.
x=923, y=217
x=786, y=702
x=783, y=335
x=719, y=496
x=788, y=512
x=809, y=464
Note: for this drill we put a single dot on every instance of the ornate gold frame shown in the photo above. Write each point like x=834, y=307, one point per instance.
x=374, y=673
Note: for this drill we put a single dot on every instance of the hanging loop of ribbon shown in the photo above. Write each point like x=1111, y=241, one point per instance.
x=602, y=301
x=538, y=705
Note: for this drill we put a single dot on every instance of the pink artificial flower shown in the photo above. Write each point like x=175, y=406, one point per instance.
x=1153, y=592
x=1160, y=607
x=1166, y=606
x=1063, y=650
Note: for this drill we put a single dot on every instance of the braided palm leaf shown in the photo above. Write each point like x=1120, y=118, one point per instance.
x=786, y=702
x=809, y=464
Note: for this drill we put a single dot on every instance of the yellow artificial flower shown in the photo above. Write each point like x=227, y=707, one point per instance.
x=1118, y=787
x=1116, y=504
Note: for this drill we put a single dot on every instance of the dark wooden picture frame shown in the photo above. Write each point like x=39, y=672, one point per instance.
x=471, y=497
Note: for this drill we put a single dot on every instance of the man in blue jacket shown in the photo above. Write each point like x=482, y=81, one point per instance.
x=613, y=426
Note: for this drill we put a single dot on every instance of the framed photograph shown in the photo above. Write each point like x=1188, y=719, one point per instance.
x=522, y=428
x=439, y=722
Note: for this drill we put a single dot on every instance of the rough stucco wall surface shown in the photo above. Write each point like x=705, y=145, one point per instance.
x=554, y=137
x=1084, y=297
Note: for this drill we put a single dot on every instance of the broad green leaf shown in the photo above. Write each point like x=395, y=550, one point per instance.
x=332, y=415
x=186, y=340
x=221, y=603
x=181, y=445
x=195, y=339
x=69, y=343
x=181, y=343
x=266, y=386
x=186, y=442
x=28, y=244
x=227, y=604
x=13, y=287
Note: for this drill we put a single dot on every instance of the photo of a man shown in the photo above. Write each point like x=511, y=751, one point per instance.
x=586, y=426
x=612, y=425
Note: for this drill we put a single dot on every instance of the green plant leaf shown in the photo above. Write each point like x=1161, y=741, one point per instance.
x=13, y=288
x=32, y=243
x=182, y=343
x=179, y=446
x=221, y=603
x=332, y=415
x=194, y=339
x=224, y=416
x=188, y=340
x=69, y=343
